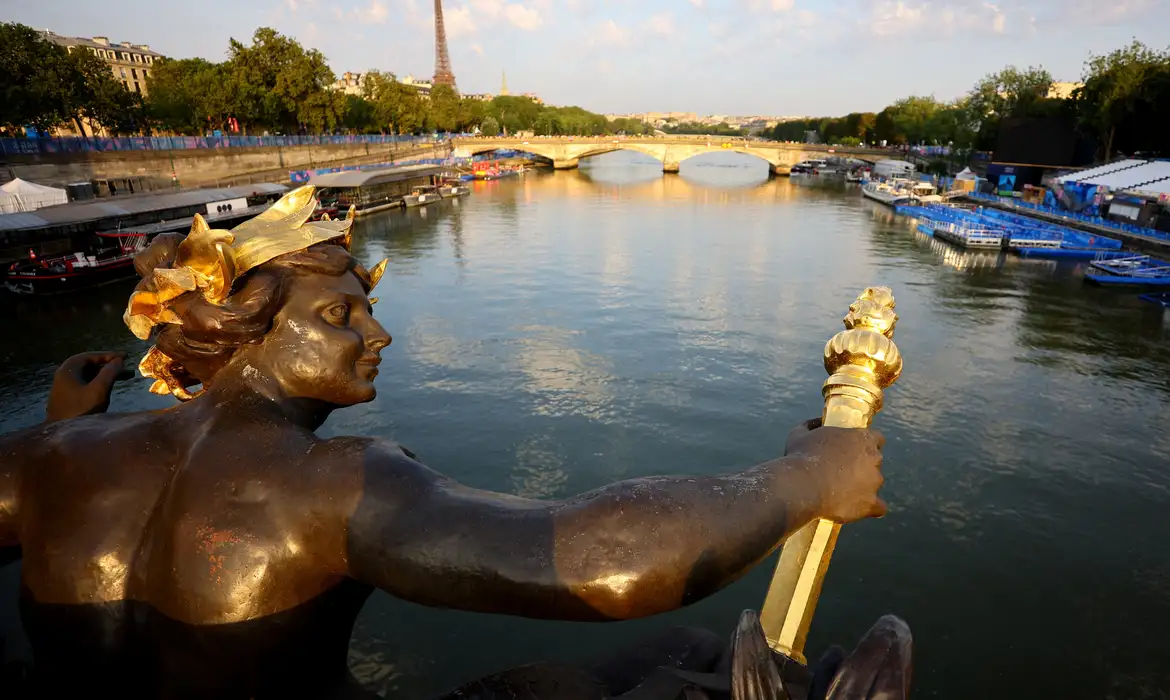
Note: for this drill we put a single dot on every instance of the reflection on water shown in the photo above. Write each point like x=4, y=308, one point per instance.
x=558, y=331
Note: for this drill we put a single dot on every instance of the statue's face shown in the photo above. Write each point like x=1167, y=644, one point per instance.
x=324, y=343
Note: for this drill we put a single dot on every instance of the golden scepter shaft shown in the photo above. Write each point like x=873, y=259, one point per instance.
x=861, y=361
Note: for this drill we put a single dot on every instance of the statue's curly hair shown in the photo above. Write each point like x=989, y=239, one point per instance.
x=208, y=334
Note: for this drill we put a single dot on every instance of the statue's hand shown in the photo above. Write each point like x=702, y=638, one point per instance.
x=82, y=384
x=845, y=466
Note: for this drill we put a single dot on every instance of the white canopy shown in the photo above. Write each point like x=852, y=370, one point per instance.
x=967, y=174
x=22, y=195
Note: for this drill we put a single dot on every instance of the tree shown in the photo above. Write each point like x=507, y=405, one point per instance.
x=1009, y=93
x=191, y=95
x=443, y=114
x=490, y=127
x=360, y=115
x=1117, y=87
x=283, y=86
x=32, y=75
x=397, y=107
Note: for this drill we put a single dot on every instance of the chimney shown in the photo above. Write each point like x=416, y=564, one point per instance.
x=104, y=41
x=127, y=45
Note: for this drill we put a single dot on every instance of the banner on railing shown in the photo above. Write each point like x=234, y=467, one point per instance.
x=77, y=144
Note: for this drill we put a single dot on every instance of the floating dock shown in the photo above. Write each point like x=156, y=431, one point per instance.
x=1142, y=242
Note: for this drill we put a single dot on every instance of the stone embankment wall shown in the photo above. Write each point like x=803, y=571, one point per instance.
x=200, y=167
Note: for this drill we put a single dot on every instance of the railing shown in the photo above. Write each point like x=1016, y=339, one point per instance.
x=77, y=144
x=1074, y=216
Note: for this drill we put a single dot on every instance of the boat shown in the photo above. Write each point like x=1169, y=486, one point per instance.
x=809, y=167
x=374, y=190
x=111, y=259
x=453, y=188
x=890, y=193
x=422, y=195
x=968, y=234
x=1129, y=271
x=1159, y=298
x=925, y=192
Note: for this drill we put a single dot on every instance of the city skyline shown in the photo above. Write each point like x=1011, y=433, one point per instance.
x=735, y=57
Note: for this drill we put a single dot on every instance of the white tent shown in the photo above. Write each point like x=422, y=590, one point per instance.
x=967, y=174
x=22, y=195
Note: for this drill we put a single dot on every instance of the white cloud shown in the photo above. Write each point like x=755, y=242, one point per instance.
x=488, y=9
x=458, y=22
x=697, y=3
x=1111, y=12
x=769, y=5
x=523, y=17
x=376, y=13
x=937, y=17
x=612, y=34
x=662, y=24
x=998, y=20
x=889, y=18
x=477, y=49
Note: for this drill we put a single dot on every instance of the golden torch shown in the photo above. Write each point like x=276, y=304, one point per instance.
x=861, y=361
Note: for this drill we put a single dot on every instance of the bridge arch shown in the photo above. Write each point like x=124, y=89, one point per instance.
x=566, y=152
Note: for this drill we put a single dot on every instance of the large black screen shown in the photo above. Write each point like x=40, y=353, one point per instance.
x=1048, y=141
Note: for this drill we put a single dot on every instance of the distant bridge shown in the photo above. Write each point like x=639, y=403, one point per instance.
x=567, y=151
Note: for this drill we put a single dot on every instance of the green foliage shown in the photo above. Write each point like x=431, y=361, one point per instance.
x=398, y=108
x=360, y=115
x=1009, y=93
x=31, y=79
x=702, y=129
x=43, y=85
x=191, y=95
x=271, y=84
x=490, y=127
x=282, y=85
x=1127, y=92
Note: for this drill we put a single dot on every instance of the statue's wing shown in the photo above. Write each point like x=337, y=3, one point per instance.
x=754, y=675
x=880, y=668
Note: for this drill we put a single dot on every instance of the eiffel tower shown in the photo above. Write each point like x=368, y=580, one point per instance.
x=443, y=74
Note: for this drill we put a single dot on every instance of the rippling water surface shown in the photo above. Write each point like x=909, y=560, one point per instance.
x=561, y=331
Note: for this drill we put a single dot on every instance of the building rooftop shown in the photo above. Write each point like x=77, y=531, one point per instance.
x=98, y=42
x=89, y=210
x=365, y=178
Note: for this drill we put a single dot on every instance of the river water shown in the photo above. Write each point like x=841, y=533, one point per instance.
x=561, y=331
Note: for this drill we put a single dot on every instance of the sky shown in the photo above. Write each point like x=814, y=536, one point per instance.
x=734, y=57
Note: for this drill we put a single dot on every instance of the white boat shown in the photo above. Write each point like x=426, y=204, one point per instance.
x=420, y=196
x=891, y=192
x=900, y=190
x=454, y=190
x=925, y=192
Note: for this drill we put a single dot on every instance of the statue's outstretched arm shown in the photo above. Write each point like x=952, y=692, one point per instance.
x=627, y=550
x=81, y=385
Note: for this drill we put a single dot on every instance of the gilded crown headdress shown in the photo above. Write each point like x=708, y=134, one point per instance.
x=211, y=260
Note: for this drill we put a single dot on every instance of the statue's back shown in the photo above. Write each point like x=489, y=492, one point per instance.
x=197, y=560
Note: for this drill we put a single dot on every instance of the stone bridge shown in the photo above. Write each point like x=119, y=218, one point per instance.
x=567, y=151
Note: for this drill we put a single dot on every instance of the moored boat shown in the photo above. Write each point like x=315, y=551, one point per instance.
x=889, y=193
x=81, y=270
x=422, y=195
x=1129, y=271
x=453, y=188
x=1160, y=298
x=370, y=191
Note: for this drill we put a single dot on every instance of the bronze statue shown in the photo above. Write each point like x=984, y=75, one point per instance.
x=219, y=548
